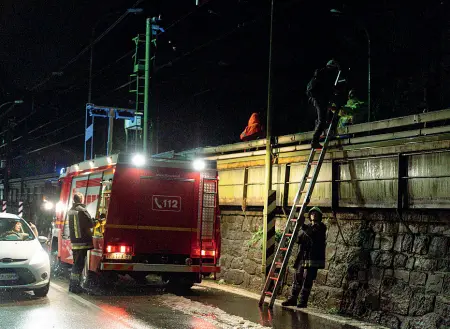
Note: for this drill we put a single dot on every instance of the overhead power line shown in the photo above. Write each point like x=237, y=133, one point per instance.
x=99, y=72
x=51, y=145
x=128, y=54
x=188, y=53
x=82, y=52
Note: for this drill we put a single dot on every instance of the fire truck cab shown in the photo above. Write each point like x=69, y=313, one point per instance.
x=152, y=216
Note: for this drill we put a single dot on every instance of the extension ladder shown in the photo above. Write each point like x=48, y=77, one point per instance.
x=275, y=278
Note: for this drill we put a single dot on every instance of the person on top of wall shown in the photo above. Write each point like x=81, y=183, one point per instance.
x=353, y=111
x=320, y=90
x=254, y=129
x=310, y=258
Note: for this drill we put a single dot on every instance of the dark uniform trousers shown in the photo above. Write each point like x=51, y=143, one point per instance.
x=303, y=282
x=79, y=257
x=320, y=104
x=80, y=224
x=310, y=258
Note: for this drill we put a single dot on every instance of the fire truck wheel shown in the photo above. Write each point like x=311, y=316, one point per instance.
x=140, y=278
x=89, y=279
x=107, y=279
x=179, y=282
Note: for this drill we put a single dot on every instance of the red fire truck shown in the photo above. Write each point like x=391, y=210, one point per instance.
x=156, y=216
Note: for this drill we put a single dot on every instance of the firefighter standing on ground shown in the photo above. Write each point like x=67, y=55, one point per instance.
x=320, y=90
x=80, y=225
x=310, y=258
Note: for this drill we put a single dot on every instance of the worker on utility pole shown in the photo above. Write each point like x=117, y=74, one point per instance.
x=80, y=226
x=310, y=258
x=320, y=90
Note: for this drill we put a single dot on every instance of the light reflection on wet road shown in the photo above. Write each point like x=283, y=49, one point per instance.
x=150, y=307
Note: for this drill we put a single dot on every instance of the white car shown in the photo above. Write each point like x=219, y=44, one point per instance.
x=24, y=264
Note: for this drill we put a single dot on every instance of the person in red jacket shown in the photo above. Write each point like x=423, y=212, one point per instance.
x=254, y=129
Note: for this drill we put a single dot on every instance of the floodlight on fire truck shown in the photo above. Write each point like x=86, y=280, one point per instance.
x=48, y=205
x=138, y=160
x=199, y=164
x=59, y=207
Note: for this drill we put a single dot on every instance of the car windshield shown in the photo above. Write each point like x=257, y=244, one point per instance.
x=14, y=229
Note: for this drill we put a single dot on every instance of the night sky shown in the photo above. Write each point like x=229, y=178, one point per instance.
x=204, y=91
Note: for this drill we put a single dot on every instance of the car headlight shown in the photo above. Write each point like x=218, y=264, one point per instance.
x=40, y=257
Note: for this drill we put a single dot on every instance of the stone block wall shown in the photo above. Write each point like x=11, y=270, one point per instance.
x=241, y=259
x=380, y=267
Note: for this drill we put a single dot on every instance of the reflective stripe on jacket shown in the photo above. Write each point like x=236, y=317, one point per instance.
x=80, y=225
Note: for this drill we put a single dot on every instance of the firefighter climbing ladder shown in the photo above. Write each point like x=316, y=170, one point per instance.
x=274, y=280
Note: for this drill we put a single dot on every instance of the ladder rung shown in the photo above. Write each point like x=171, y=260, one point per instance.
x=288, y=234
x=283, y=249
x=278, y=263
x=313, y=163
x=268, y=293
x=293, y=220
x=274, y=278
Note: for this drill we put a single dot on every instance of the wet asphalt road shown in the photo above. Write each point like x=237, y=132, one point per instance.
x=148, y=307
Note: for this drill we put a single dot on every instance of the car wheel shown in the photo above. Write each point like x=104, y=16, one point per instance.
x=42, y=292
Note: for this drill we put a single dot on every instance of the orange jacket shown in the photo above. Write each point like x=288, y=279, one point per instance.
x=254, y=129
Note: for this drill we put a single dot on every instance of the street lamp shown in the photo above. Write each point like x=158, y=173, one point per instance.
x=340, y=13
x=19, y=101
x=12, y=103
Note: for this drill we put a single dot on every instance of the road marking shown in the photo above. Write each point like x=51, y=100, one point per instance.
x=91, y=305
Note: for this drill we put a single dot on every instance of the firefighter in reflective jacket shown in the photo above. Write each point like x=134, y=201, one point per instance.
x=80, y=225
x=310, y=258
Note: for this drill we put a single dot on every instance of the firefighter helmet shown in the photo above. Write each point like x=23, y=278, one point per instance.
x=318, y=213
x=317, y=209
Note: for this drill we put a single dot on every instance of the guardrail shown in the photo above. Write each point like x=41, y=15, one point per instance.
x=401, y=126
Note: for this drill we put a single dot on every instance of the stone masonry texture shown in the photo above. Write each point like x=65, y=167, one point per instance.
x=379, y=268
